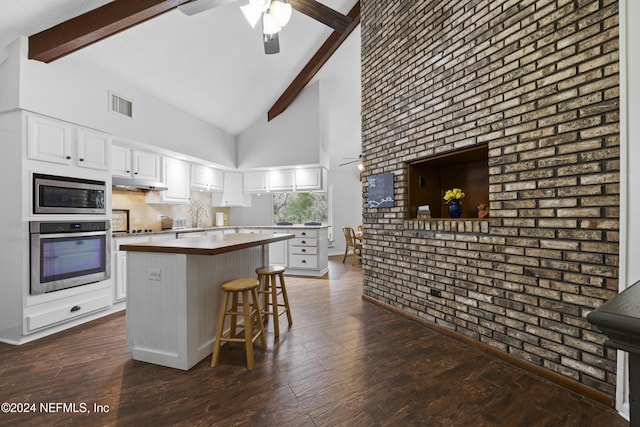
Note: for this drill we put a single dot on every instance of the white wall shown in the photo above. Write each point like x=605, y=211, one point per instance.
x=629, y=171
x=9, y=77
x=260, y=212
x=74, y=92
x=292, y=138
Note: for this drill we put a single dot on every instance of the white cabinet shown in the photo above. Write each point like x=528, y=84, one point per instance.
x=277, y=250
x=281, y=180
x=206, y=178
x=233, y=194
x=309, y=179
x=93, y=149
x=256, y=182
x=146, y=165
x=176, y=176
x=131, y=163
x=55, y=141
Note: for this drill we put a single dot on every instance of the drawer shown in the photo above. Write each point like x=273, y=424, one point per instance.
x=304, y=250
x=303, y=241
x=303, y=261
x=306, y=233
x=67, y=311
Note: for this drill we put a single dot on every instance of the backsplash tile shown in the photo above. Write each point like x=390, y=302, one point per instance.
x=147, y=216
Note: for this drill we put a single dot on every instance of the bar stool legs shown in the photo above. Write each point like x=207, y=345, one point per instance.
x=252, y=318
x=268, y=287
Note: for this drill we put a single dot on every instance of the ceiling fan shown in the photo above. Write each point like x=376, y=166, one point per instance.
x=274, y=14
x=353, y=160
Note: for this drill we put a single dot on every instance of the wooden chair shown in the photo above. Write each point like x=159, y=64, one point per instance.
x=353, y=243
x=250, y=313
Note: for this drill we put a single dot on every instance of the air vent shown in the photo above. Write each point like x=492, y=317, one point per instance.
x=118, y=104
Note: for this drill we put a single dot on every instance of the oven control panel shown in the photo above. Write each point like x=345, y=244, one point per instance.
x=49, y=227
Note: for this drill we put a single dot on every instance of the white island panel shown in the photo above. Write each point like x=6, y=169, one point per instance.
x=174, y=300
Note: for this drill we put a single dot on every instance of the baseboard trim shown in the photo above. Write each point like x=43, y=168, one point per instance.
x=567, y=383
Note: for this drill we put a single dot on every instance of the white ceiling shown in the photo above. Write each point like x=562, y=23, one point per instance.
x=211, y=65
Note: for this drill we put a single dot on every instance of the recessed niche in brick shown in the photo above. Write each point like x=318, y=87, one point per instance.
x=466, y=169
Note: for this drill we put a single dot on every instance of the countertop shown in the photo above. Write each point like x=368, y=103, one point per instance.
x=207, y=245
x=226, y=227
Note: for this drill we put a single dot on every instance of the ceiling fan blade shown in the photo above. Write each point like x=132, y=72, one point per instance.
x=271, y=43
x=322, y=13
x=197, y=6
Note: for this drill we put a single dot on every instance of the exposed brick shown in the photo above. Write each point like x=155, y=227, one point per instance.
x=538, y=81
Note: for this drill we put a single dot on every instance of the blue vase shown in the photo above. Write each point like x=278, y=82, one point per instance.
x=455, y=208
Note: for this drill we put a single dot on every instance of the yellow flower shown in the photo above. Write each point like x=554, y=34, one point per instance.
x=452, y=194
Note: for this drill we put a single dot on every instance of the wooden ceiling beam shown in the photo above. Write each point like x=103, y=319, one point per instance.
x=95, y=25
x=314, y=65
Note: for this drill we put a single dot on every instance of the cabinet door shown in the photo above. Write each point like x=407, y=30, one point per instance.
x=281, y=180
x=308, y=179
x=277, y=250
x=205, y=178
x=201, y=177
x=255, y=182
x=233, y=189
x=120, y=161
x=217, y=180
x=48, y=140
x=176, y=176
x=93, y=149
x=146, y=165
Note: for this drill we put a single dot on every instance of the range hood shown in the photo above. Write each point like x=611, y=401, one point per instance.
x=136, y=184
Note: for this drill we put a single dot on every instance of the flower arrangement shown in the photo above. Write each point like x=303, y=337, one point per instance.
x=453, y=194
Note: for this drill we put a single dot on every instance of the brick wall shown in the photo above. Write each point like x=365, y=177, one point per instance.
x=538, y=81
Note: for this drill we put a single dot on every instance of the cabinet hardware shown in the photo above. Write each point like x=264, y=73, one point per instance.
x=75, y=308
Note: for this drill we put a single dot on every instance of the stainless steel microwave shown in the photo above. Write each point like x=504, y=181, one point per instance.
x=63, y=195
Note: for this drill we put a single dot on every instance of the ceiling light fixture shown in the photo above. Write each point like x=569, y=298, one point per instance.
x=275, y=14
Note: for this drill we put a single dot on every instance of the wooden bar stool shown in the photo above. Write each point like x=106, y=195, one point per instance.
x=269, y=287
x=252, y=318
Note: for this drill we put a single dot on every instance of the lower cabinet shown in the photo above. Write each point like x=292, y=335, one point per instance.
x=66, y=309
x=304, y=255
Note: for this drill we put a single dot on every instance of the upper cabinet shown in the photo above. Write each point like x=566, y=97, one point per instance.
x=308, y=179
x=130, y=163
x=256, y=182
x=55, y=141
x=281, y=180
x=206, y=178
x=233, y=194
x=176, y=175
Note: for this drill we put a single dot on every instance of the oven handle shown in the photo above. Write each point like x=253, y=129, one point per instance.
x=72, y=234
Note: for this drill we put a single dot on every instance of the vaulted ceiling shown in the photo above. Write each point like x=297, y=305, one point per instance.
x=211, y=64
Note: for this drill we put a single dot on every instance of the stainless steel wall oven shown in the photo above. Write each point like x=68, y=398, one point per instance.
x=62, y=195
x=65, y=254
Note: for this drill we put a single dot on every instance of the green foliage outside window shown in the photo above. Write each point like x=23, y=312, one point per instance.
x=299, y=208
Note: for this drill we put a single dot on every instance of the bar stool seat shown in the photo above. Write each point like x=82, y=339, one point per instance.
x=247, y=289
x=269, y=287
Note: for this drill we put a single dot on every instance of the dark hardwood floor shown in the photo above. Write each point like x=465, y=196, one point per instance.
x=344, y=362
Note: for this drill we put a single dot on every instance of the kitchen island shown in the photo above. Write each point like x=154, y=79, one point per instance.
x=173, y=292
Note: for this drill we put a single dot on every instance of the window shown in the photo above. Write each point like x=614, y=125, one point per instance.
x=299, y=208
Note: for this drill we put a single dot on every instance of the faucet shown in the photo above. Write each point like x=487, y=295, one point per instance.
x=198, y=219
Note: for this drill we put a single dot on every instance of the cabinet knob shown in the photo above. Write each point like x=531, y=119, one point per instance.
x=81, y=159
x=68, y=157
x=304, y=261
x=128, y=171
x=304, y=250
x=135, y=173
x=304, y=242
x=304, y=234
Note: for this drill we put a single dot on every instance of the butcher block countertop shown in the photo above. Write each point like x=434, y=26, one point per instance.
x=207, y=245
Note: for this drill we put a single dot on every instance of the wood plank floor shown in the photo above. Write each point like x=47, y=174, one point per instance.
x=344, y=362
